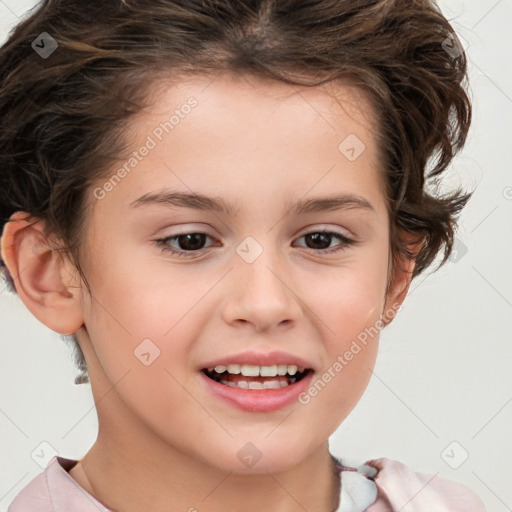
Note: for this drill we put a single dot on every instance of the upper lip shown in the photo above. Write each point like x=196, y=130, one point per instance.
x=259, y=359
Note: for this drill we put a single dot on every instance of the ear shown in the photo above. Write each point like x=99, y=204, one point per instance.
x=400, y=277
x=43, y=278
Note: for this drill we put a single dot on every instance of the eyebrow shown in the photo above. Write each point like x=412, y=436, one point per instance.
x=219, y=205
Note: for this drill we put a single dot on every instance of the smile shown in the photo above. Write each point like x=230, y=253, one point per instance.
x=256, y=377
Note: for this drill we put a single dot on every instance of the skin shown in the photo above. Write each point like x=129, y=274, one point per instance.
x=163, y=438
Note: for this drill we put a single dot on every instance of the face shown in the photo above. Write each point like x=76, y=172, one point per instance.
x=269, y=270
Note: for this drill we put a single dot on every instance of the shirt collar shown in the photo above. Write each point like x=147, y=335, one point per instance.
x=66, y=494
x=358, y=490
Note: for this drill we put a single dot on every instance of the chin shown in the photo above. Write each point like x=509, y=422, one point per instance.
x=259, y=457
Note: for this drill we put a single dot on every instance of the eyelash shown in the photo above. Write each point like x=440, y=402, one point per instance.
x=346, y=243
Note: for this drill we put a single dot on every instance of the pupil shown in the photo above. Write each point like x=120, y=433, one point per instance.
x=317, y=238
x=191, y=246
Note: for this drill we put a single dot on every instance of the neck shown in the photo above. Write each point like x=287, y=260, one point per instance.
x=132, y=480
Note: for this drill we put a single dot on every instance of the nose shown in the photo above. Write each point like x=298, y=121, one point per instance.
x=262, y=294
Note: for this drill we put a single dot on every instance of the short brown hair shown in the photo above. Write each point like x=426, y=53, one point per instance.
x=62, y=117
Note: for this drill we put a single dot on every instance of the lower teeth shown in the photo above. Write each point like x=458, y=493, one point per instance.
x=271, y=384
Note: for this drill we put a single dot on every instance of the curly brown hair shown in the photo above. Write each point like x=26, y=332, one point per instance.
x=62, y=118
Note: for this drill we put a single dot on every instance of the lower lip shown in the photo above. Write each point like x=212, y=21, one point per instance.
x=259, y=400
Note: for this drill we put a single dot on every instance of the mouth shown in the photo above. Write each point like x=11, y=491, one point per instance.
x=257, y=377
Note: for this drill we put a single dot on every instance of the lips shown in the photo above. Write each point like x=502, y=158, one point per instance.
x=254, y=400
x=257, y=381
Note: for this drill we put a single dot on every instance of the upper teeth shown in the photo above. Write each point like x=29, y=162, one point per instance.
x=249, y=370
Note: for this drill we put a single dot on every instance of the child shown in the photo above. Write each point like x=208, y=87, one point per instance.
x=131, y=128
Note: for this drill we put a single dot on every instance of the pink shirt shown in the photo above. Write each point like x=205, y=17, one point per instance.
x=379, y=485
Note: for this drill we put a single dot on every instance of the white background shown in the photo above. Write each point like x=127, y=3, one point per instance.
x=443, y=372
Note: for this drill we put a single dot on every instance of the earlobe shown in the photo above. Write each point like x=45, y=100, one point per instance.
x=42, y=277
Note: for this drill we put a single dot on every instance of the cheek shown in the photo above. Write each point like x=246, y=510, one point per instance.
x=352, y=352
x=146, y=366
x=351, y=305
x=146, y=315
x=352, y=297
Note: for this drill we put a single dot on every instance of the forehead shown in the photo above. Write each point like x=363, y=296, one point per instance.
x=235, y=115
x=334, y=101
x=245, y=137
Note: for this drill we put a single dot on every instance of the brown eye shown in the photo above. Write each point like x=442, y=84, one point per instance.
x=191, y=241
x=320, y=241
x=187, y=243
